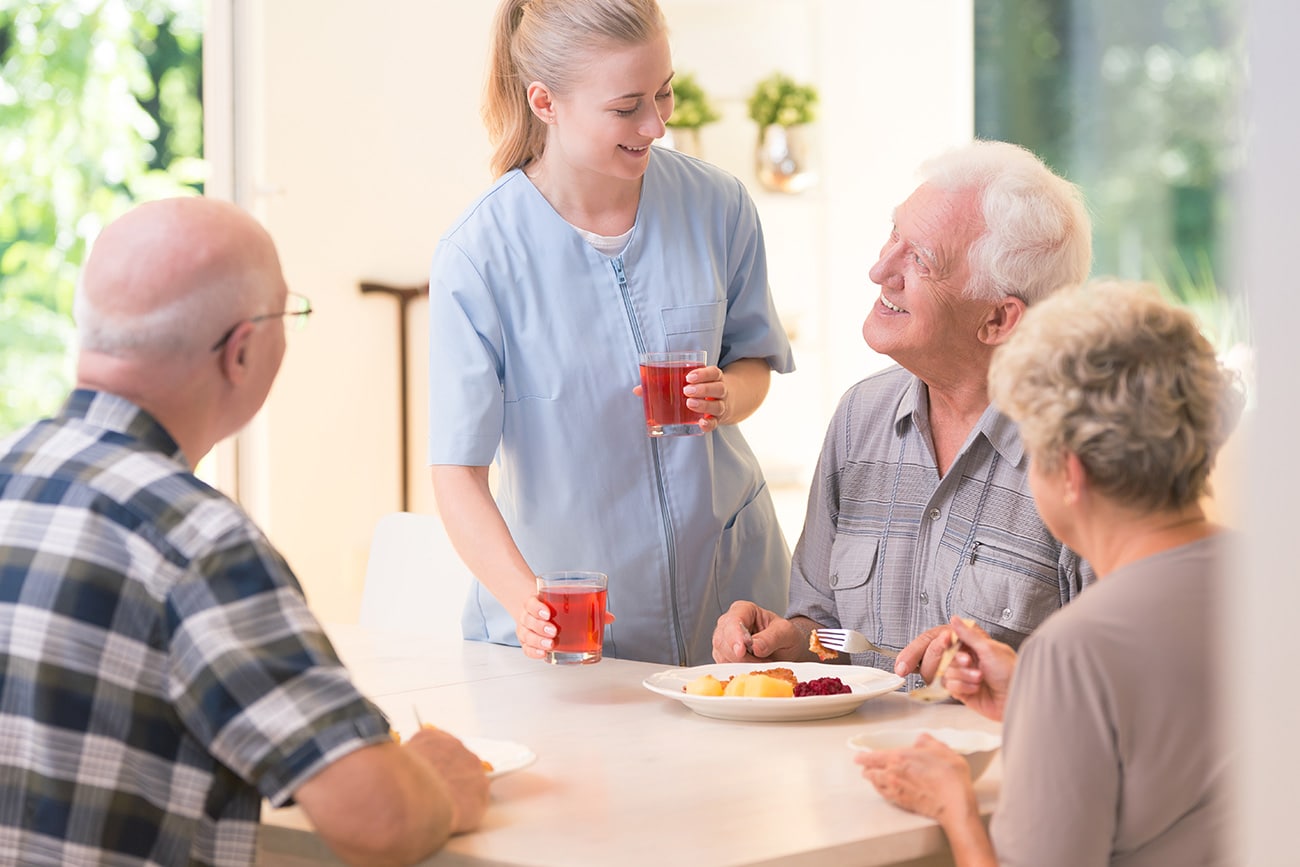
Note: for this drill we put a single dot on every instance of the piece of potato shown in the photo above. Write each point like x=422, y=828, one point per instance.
x=704, y=685
x=759, y=686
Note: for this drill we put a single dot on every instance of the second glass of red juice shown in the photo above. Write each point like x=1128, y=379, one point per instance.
x=663, y=376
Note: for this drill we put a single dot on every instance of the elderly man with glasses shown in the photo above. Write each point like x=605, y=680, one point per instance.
x=160, y=673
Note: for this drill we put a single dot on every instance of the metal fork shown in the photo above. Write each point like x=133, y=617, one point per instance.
x=848, y=641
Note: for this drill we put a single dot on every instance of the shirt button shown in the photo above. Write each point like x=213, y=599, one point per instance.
x=925, y=597
x=835, y=579
x=1006, y=613
x=934, y=514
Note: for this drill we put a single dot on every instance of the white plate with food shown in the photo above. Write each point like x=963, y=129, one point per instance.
x=504, y=756
x=863, y=684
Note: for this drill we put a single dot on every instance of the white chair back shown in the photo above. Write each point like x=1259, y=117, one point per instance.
x=415, y=580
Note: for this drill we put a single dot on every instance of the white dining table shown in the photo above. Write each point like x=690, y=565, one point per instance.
x=624, y=776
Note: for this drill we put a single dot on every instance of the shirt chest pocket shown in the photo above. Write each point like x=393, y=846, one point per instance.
x=1009, y=592
x=853, y=560
x=695, y=326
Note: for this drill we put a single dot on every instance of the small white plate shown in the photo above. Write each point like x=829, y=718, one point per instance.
x=866, y=683
x=977, y=747
x=504, y=756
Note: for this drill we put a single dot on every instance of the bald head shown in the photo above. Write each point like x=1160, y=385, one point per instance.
x=166, y=278
x=162, y=285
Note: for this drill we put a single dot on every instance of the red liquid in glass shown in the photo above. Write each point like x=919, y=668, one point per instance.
x=661, y=392
x=579, y=617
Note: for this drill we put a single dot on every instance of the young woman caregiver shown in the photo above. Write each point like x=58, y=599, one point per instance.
x=590, y=248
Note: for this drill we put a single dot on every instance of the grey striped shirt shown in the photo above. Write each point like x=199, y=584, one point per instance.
x=890, y=549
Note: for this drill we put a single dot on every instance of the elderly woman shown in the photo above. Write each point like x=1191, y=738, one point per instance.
x=1111, y=753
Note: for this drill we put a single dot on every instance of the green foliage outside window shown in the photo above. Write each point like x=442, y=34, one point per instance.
x=99, y=108
x=1138, y=104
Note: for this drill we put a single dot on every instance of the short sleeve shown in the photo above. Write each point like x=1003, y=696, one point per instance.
x=466, y=366
x=752, y=328
x=252, y=675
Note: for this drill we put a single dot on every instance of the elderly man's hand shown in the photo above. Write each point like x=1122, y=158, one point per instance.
x=981, y=671
x=923, y=652
x=462, y=771
x=748, y=633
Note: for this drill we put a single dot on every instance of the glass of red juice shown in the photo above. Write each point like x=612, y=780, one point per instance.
x=663, y=376
x=577, y=604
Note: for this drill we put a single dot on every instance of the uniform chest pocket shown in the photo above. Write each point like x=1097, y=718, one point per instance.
x=695, y=326
x=1009, y=592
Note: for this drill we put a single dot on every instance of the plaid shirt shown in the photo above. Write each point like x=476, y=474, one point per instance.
x=890, y=549
x=160, y=672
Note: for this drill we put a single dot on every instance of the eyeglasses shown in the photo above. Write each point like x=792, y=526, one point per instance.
x=296, y=309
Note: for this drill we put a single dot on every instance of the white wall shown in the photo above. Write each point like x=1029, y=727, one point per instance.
x=360, y=145
x=358, y=141
x=821, y=242
x=1261, y=653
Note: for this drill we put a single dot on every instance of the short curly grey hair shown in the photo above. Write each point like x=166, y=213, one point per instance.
x=1038, y=236
x=1125, y=380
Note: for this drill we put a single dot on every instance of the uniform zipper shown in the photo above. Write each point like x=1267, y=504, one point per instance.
x=671, y=543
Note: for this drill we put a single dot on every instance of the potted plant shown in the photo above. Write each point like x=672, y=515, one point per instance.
x=691, y=111
x=782, y=108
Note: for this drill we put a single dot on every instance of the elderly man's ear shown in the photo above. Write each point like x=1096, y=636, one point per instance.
x=1002, y=320
x=234, y=358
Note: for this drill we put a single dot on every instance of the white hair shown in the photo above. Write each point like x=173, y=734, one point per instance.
x=190, y=323
x=1038, y=236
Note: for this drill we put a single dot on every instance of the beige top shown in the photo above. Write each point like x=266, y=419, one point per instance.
x=1110, y=751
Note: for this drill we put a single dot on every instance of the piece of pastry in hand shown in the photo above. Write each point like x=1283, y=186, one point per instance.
x=823, y=653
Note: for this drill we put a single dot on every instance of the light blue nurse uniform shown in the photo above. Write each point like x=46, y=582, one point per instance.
x=533, y=345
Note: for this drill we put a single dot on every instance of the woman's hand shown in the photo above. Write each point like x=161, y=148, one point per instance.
x=926, y=778
x=930, y=779
x=534, y=629
x=726, y=396
x=706, y=392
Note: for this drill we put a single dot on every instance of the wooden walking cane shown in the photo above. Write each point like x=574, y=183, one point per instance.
x=404, y=295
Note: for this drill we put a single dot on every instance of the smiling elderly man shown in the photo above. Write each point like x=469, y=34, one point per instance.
x=921, y=507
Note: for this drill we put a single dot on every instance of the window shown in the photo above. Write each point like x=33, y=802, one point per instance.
x=99, y=108
x=1138, y=104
